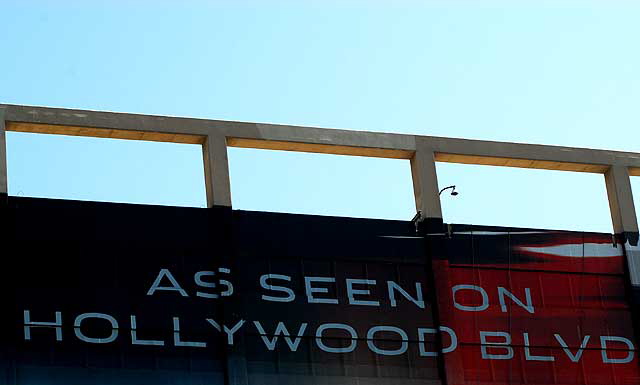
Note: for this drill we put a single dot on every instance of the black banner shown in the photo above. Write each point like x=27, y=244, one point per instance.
x=104, y=293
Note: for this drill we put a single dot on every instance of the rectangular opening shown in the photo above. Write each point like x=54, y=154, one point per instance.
x=337, y=185
x=108, y=170
x=502, y=196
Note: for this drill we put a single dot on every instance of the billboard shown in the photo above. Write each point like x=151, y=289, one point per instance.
x=534, y=307
x=105, y=293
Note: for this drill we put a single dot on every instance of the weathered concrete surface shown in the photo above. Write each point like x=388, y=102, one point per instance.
x=621, y=199
x=109, y=124
x=295, y=138
x=216, y=135
x=216, y=171
x=425, y=181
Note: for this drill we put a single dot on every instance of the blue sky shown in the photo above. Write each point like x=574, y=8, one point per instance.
x=563, y=73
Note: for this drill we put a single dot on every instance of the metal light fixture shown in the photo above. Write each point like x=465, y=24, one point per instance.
x=453, y=190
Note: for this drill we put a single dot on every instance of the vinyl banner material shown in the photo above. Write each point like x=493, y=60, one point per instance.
x=534, y=307
x=103, y=293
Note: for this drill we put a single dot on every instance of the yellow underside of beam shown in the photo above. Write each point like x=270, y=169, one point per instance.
x=308, y=147
x=104, y=133
x=521, y=163
x=319, y=148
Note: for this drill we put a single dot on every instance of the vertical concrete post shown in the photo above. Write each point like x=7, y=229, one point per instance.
x=425, y=185
x=427, y=197
x=218, y=186
x=3, y=158
x=216, y=171
x=623, y=213
x=623, y=216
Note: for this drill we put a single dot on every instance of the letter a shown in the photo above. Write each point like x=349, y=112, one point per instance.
x=174, y=284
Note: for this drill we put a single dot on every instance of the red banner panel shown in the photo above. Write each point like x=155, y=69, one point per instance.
x=534, y=307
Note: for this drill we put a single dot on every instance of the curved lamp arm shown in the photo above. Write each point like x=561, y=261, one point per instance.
x=453, y=190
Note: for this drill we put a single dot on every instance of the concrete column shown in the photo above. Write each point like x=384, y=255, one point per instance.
x=218, y=186
x=3, y=157
x=623, y=216
x=216, y=171
x=623, y=212
x=425, y=185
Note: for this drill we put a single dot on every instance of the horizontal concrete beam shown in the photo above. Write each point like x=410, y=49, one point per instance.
x=66, y=120
x=309, y=139
x=516, y=154
x=110, y=124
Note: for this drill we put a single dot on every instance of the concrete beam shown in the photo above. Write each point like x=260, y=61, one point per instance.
x=310, y=139
x=216, y=135
x=425, y=183
x=296, y=137
x=541, y=156
x=216, y=171
x=68, y=122
x=189, y=130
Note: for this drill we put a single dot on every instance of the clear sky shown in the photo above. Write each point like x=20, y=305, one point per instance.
x=557, y=72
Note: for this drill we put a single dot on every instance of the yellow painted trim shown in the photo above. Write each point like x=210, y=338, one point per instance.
x=520, y=163
x=103, y=133
x=319, y=148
